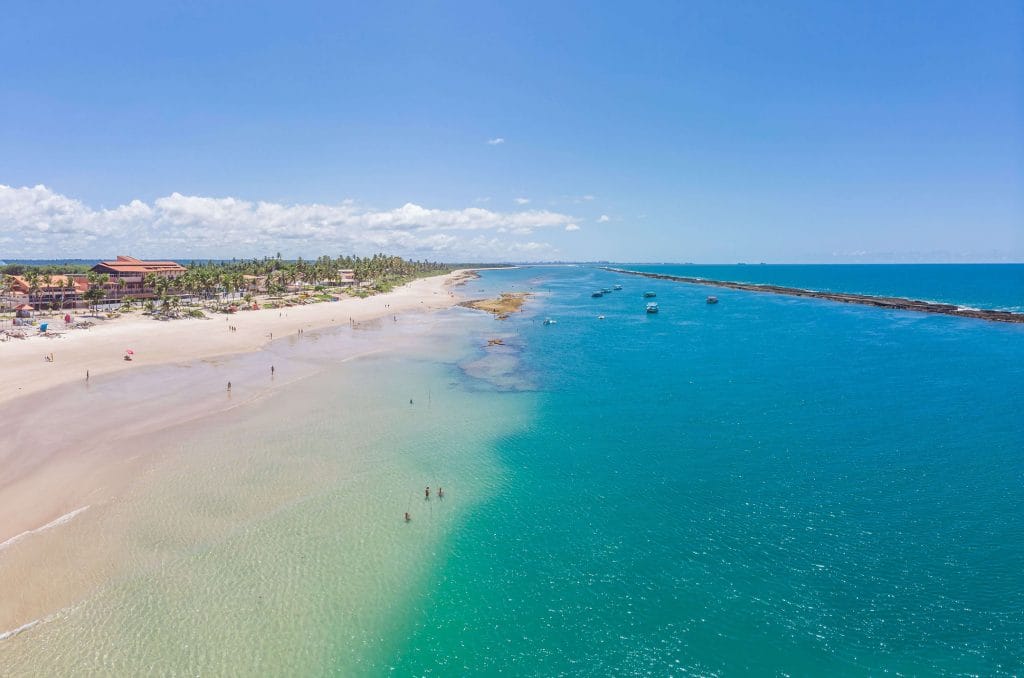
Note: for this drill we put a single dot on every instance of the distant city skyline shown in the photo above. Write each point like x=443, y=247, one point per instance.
x=705, y=132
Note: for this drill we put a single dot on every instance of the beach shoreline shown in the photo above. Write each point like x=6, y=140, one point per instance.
x=156, y=473
x=76, y=467
x=100, y=350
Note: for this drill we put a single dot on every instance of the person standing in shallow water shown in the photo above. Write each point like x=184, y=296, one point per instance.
x=426, y=492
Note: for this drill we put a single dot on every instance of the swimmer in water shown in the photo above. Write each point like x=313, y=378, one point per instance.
x=440, y=493
x=407, y=517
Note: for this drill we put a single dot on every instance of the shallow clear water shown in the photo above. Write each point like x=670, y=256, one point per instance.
x=991, y=286
x=268, y=538
x=770, y=485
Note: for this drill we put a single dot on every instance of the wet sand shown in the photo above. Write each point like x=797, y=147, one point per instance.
x=73, y=449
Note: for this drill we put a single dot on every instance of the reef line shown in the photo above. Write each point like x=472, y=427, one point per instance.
x=892, y=303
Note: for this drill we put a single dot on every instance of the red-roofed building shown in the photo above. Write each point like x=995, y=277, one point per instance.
x=128, y=275
x=50, y=291
x=130, y=267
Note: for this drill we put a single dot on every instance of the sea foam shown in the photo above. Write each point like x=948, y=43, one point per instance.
x=28, y=533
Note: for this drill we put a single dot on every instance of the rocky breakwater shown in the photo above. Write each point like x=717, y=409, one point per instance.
x=892, y=303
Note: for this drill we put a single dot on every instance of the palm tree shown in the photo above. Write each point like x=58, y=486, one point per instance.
x=149, y=282
x=6, y=291
x=96, y=291
x=46, y=286
x=32, y=278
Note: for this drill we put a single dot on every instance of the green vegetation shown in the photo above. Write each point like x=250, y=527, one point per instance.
x=44, y=269
x=222, y=285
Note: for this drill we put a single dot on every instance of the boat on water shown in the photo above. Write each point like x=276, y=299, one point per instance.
x=648, y=295
x=652, y=307
x=606, y=291
x=597, y=294
x=617, y=287
x=600, y=317
x=549, y=321
x=712, y=300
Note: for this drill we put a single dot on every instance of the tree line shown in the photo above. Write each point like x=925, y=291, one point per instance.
x=209, y=279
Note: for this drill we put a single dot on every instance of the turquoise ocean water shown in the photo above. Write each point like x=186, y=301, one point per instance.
x=766, y=486
x=769, y=486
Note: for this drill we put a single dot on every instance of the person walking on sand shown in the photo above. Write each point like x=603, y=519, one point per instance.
x=407, y=517
x=229, y=386
x=87, y=375
x=271, y=370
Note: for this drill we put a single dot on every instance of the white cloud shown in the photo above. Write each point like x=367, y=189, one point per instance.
x=496, y=141
x=37, y=222
x=572, y=227
x=522, y=201
x=604, y=218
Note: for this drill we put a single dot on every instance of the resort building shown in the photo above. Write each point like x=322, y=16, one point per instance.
x=343, y=277
x=128, y=276
x=47, y=291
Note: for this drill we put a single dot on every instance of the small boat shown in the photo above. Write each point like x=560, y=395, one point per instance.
x=617, y=287
x=606, y=291
x=648, y=295
x=712, y=300
x=549, y=321
x=600, y=317
x=652, y=307
x=597, y=294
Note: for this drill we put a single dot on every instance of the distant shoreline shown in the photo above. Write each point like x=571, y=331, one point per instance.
x=891, y=303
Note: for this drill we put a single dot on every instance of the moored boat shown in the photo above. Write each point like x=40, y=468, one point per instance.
x=648, y=295
x=617, y=287
x=712, y=300
x=549, y=321
x=597, y=294
x=652, y=307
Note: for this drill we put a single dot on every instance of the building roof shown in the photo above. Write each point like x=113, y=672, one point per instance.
x=57, y=282
x=125, y=264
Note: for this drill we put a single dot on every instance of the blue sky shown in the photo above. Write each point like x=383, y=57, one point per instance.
x=712, y=132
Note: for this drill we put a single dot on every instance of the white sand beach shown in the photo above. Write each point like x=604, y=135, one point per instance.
x=74, y=468
x=100, y=349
